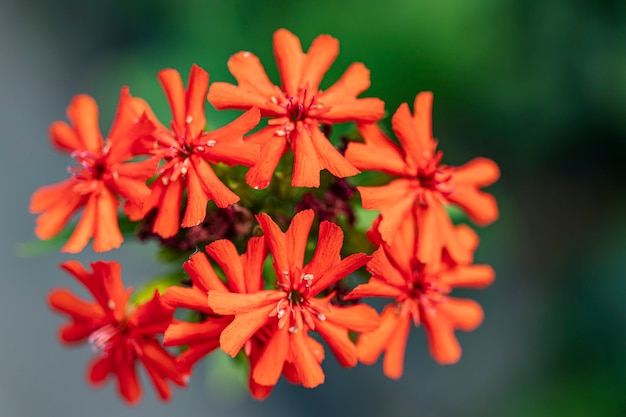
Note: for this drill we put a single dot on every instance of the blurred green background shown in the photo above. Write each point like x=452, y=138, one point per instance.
x=537, y=85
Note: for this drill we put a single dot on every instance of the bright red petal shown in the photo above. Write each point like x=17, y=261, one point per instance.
x=250, y=74
x=416, y=154
x=167, y=220
x=227, y=96
x=202, y=274
x=395, y=201
x=328, y=248
x=276, y=242
x=64, y=137
x=212, y=185
x=354, y=81
x=337, y=338
x=197, y=199
x=184, y=333
x=329, y=157
x=268, y=368
x=370, y=345
x=243, y=327
x=306, y=164
x=83, y=113
x=422, y=117
x=393, y=363
x=65, y=301
x=195, y=98
x=378, y=153
x=172, y=84
x=107, y=234
x=307, y=367
x=297, y=237
x=362, y=110
x=320, y=56
x=470, y=276
x=289, y=59
x=58, y=203
x=85, y=228
x=225, y=254
x=272, y=149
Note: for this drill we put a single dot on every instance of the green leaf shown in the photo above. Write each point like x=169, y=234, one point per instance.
x=39, y=247
x=364, y=218
x=160, y=284
x=227, y=375
x=456, y=214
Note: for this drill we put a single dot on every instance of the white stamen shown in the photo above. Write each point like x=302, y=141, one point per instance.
x=308, y=277
x=200, y=148
x=100, y=339
x=256, y=187
x=280, y=133
x=321, y=317
x=188, y=119
x=293, y=329
x=210, y=143
x=280, y=314
x=246, y=54
x=185, y=167
x=274, y=100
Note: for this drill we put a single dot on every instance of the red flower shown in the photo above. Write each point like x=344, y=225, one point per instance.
x=421, y=295
x=424, y=185
x=282, y=318
x=298, y=107
x=103, y=176
x=188, y=153
x=244, y=274
x=120, y=334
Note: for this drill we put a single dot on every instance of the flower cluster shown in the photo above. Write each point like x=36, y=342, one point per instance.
x=220, y=200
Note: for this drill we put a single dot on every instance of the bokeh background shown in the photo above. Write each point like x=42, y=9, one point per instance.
x=537, y=85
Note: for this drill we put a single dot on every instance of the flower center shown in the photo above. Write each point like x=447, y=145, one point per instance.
x=105, y=338
x=90, y=166
x=299, y=107
x=424, y=290
x=176, y=147
x=295, y=308
x=434, y=177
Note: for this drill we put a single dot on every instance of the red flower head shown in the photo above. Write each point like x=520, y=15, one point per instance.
x=421, y=295
x=298, y=107
x=103, y=175
x=188, y=153
x=121, y=334
x=425, y=185
x=281, y=319
x=244, y=275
